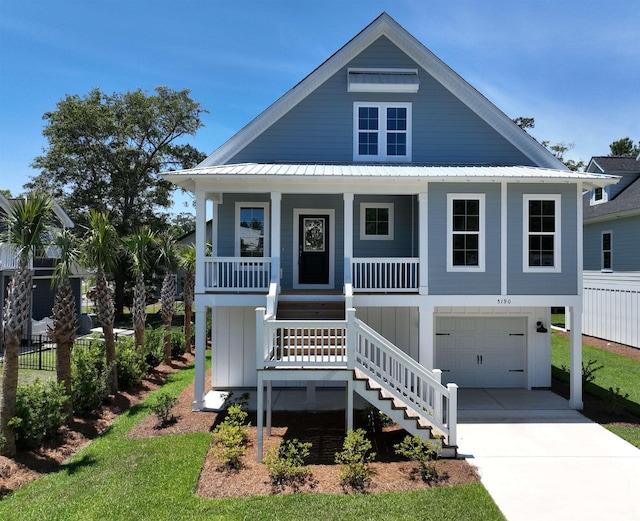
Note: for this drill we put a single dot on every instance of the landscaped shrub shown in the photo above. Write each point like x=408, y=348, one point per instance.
x=285, y=463
x=615, y=400
x=161, y=407
x=89, y=378
x=153, y=347
x=423, y=452
x=375, y=419
x=355, y=458
x=177, y=344
x=131, y=368
x=39, y=413
x=230, y=439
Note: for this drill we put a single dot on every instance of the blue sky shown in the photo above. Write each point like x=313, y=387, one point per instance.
x=573, y=65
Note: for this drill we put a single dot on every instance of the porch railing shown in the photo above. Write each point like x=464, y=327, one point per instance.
x=392, y=274
x=351, y=344
x=237, y=273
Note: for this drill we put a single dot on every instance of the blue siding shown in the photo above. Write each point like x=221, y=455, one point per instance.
x=625, y=241
x=320, y=128
x=564, y=283
x=404, y=243
x=442, y=282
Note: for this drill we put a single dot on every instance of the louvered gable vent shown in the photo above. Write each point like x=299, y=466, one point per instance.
x=383, y=80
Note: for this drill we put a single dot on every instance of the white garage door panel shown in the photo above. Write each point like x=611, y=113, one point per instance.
x=481, y=351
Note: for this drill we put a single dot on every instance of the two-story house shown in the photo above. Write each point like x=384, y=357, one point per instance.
x=43, y=294
x=383, y=222
x=612, y=252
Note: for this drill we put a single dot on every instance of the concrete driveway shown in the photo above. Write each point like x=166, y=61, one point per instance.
x=542, y=461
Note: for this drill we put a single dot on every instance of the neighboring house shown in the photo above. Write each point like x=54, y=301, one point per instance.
x=612, y=253
x=385, y=183
x=43, y=294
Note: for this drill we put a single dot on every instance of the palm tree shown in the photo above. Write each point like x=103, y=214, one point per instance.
x=27, y=231
x=187, y=261
x=65, y=319
x=137, y=245
x=167, y=257
x=100, y=247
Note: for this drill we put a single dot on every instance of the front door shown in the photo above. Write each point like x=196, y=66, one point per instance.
x=313, y=249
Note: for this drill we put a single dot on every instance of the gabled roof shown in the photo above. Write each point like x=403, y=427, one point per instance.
x=626, y=203
x=63, y=218
x=615, y=164
x=386, y=26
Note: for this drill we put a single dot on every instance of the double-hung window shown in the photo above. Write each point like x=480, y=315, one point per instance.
x=465, y=232
x=376, y=221
x=541, y=230
x=252, y=220
x=606, y=251
x=382, y=131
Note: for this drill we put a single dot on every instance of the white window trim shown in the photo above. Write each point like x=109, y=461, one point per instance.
x=592, y=197
x=557, y=242
x=411, y=88
x=602, y=268
x=267, y=222
x=481, y=233
x=382, y=132
x=363, y=234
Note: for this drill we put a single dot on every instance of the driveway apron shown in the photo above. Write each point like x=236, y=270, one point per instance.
x=542, y=461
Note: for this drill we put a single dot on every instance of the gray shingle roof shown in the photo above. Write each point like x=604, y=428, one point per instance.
x=617, y=164
x=625, y=201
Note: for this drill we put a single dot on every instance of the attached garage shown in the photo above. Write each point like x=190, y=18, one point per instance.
x=482, y=351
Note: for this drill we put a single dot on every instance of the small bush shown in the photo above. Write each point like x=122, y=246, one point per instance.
x=177, y=345
x=589, y=371
x=375, y=419
x=230, y=438
x=89, y=378
x=131, y=368
x=39, y=413
x=355, y=458
x=153, y=347
x=161, y=407
x=285, y=463
x=424, y=453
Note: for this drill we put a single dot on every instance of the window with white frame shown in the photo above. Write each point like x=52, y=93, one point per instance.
x=382, y=131
x=252, y=224
x=376, y=221
x=606, y=251
x=465, y=232
x=541, y=231
x=598, y=196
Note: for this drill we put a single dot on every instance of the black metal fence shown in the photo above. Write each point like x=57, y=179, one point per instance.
x=36, y=352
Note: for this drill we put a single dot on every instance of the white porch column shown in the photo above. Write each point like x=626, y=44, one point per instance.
x=426, y=336
x=201, y=342
x=348, y=225
x=201, y=232
x=423, y=244
x=503, y=238
x=276, y=205
x=575, y=381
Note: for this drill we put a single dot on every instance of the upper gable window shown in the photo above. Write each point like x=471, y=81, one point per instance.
x=541, y=242
x=382, y=131
x=383, y=80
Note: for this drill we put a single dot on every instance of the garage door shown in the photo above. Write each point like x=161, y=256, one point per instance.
x=481, y=351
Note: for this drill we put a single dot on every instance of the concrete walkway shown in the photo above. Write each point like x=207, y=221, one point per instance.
x=541, y=461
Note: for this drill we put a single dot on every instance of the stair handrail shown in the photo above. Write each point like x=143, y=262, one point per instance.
x=413, y=384
x=274, y=288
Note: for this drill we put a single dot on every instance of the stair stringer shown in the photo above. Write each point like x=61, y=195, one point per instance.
x=402, y=414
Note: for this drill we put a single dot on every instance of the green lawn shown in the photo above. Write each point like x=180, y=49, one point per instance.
x=118, y=478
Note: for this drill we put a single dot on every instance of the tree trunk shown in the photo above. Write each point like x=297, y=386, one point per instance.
x=110, y=350
x=63, y=368
x=166, y=351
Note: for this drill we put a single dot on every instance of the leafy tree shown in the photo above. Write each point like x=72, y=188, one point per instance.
x=105, y=153
x=27, y=231
x=65, y=320
x=187, y=261
x=524, y=123
x=137, y=245
x=182, y=224
x=100, y=246
x=624, y=147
